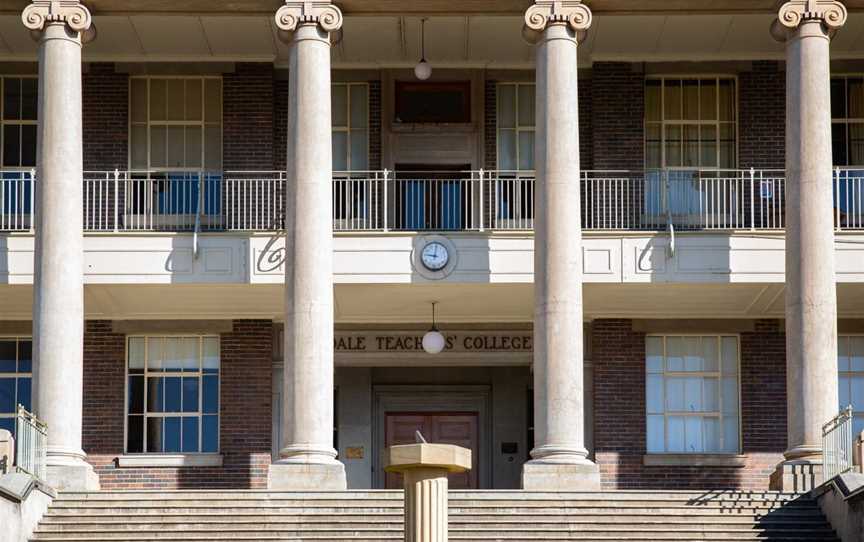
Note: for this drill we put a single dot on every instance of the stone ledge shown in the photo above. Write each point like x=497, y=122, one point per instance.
x=694, y=460
x=174, y=460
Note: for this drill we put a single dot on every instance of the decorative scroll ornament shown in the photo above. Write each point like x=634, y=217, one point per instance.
x=831, y=13
x=573, y=13
x=295, y=13
x=69, y=12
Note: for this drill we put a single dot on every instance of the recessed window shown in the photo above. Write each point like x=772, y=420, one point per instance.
x=692, y=394
x=20, y=104
x=850, y=363
x=16, y=378
x=847, y=120
x=433, y=103
x=516, y=126
x=172, y=400
x=350, y=114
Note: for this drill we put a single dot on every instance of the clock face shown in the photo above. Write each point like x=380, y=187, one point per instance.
x=435, y=256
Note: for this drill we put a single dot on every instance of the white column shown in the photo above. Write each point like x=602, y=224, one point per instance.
x=559, y=458
x=58, y=300
x=307, y=458
x=811, y=296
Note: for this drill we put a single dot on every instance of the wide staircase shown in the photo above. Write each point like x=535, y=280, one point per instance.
x=241, y=516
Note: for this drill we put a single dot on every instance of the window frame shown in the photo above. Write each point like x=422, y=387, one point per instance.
x=846, y=120
x=517, y=127
x=855, y=413
x=15, y=122
x=18, y=375
x=663, y=122
x=184, y=123
x=700, y=374
x=198, y=414
x=347, y=128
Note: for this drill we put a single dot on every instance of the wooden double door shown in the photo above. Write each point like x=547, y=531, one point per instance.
x=459, y=428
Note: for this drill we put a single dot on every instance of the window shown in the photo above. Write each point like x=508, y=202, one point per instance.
x=692, y=394
x=850, y=363
x=350, y=116
x=433, y=103
x=516, y=112
x=175, y=134
x=18, y=146
x=16, y=377
x=847, y=120
x=172, y=397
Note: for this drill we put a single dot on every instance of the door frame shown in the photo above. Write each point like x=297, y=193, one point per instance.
x=441, y=398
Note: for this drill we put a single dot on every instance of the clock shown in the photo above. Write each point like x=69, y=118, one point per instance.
x=435, y=256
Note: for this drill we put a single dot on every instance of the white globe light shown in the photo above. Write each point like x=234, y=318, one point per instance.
x=423, y=70
x=433, y=342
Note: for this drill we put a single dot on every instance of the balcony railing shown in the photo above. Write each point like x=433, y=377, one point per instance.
x=837, y=444
x=380, y=201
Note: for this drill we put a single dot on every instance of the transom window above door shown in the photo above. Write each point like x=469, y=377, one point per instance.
x=690, y=122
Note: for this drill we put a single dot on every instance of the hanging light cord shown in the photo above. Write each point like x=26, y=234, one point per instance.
x=434, y=327
x=423, y=45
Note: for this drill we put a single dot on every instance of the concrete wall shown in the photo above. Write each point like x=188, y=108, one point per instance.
x=22, y=504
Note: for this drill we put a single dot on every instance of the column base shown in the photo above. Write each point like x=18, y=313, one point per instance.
x=307, y=476
x=548, y=476
x=77, y=477
x=796, y=476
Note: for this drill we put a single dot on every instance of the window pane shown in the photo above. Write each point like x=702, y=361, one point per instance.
x=188, y=353
x=340, y=151
x=727, y=100
x=690, y=158
x=729, y=351
x=655, y=434
x=211, y=354
x=359, y=106
x=12, y=145
x=194, y=96
x=339, y=108
x=674, y=354
x=507, y=150
x=674, y=394
x=136, y=354
x=138, y=146
x=838, y=98
x=359, y=151
x=653, y=148
x=526, y=105
x=213, y=100
x=24, y=393
x=11, y=98
x=194, y=146
x=654, y=388
x=190, y=394
x=154, y=435
x=710, y=354
x=708, y=145
x=8, y=424
x=25, y=356
x=857, y=392
x=158, y=141
x=135, y=434
x=845, y=393
x=727, y=145
x=139, y=100
x=136, y=394
x=856, y=144
x=673, y=146
x=210, y=402
x=839, y=145
x=190, y=435
x=29, y=98
x=856, y=353
x=157, y=99
x=172, y=394
x=675, y=434
x=7, y=395
x=843, y=353
x=711, y=433
x=692, y=353
x=155, y=394
x=172, y=435
x=672, y=101
x=856, y=98
x=176, y=146
x=213, y=147
x=652, y=100
x=8, y=355
x=526, y=151
x=506, y=106
x=172, y=355
x=730, y=434
x=691, y=99
x=28, y=145
x=693, y=434
x=693, y=395
x=654, y=358
x=210, y=434
x=176, y=101
x=708, y=100
x=730, y=395
x=710, y=395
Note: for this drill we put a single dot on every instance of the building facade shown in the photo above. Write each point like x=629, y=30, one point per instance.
x=223, y=235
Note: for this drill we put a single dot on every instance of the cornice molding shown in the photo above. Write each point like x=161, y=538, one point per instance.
x=543, y=13
x=295, y=12
x=831, y=13
x=72, y=13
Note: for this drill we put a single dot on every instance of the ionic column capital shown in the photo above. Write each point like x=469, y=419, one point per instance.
x=72, y=13
x=296, y=12
x=791, y=13
x=543, y=13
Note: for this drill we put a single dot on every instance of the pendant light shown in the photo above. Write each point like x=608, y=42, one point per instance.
x=423, y=70
x=433, y=341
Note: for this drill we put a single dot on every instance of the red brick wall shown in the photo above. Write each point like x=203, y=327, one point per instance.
x=619, y=412
x=617, y=116
x=245, y=412
x=247, y=117
x=105, y=115
x=762, y=115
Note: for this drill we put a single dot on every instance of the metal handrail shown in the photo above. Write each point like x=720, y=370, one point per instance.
x=31, y=440
x=837, y=444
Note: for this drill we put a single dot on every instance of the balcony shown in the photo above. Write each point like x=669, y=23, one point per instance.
x=382, y=201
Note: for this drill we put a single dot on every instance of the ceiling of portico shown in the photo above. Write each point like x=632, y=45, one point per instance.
x=372, y=41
